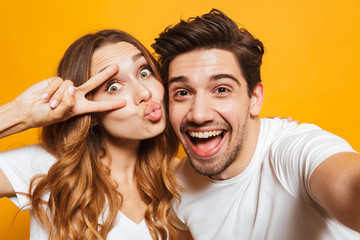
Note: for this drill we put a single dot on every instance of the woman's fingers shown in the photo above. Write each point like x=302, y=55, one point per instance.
x=289, y=119
x=99, y=78
x=68, y=99
x=67, y=102
x=63, y=96
x=57, y=97
x=53, y=84
x=102, y=106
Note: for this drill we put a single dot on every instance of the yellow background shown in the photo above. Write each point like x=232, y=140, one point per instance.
x=310, y=70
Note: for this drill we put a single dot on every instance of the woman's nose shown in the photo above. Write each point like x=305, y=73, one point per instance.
x=141, y=93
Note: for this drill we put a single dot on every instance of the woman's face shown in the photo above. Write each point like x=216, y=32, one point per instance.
x=144, y=116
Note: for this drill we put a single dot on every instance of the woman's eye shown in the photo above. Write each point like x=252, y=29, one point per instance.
x=145, y=73
x=114, y=87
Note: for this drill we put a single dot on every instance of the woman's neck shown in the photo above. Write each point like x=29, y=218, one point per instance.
x=121, y=156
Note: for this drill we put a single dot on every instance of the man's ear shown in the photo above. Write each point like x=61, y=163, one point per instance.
x=256, y=100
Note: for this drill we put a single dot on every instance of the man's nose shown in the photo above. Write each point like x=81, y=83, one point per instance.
x=201, y=110
x=141, y=93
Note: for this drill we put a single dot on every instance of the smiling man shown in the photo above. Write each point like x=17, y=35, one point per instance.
x=246, y=177
x=211, y=111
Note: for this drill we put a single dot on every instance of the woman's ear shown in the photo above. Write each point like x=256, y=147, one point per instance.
x=94, y=121
x=256, y=100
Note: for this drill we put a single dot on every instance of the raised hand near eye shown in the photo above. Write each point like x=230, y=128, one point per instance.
x=55, y=100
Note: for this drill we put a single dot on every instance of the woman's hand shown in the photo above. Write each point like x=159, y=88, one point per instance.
x=55, y=100
x=289, y=119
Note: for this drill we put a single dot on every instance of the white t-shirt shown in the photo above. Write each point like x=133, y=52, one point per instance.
x=22, y=164
x=270, y=199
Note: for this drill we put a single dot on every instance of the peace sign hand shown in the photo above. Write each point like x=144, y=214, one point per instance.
x=55, y=100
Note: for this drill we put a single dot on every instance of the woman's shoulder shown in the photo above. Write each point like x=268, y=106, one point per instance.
x=26, y=149
x=34, y=153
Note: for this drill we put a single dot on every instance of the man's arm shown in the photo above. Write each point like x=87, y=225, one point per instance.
x=335, y=185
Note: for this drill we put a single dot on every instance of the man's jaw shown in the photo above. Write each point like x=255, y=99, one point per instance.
x=205, y=143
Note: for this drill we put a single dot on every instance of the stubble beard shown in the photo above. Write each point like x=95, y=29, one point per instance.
x=216, y=165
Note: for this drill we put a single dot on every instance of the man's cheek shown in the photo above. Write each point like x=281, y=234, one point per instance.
x=175, y=120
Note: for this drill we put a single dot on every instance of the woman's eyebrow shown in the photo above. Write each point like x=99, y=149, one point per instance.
x=137, y=57
x=134, y=58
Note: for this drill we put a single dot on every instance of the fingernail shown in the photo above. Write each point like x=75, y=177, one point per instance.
x=45, y=96
x=53, y=103
x=71, y=90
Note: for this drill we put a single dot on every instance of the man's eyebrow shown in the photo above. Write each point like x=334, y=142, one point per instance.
x=225, y=75
x=177, y=79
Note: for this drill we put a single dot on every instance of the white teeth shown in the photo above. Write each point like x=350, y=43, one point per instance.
x=205, y=134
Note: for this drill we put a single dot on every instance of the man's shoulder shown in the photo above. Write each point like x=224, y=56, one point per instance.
x=275, y=131
x=281, y=126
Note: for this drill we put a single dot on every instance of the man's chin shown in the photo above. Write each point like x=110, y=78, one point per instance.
x=205, y=166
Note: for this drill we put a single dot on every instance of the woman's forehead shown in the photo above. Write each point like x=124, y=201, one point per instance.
x=107, y=54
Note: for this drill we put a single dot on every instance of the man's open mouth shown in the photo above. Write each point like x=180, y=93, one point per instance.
x=206, y=143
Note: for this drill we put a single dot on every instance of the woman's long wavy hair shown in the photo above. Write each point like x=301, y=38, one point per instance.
x=80, y=185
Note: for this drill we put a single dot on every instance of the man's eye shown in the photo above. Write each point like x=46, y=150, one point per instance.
x=144, y=73
x=114, y=87
x=181, y=93
x=221, y=90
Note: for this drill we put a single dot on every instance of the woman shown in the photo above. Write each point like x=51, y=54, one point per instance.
x=103, y=150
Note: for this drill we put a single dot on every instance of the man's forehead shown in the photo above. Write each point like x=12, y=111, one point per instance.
x=205, y=62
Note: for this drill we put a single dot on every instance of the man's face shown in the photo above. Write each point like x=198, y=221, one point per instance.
x=209, y=108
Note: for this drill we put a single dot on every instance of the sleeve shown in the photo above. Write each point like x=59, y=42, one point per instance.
x=20, y=166
x=297, y=153
x=178, y=223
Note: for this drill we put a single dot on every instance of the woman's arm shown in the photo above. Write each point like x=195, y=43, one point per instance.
x=53, y=100
x=12, y=121
x=47, y=102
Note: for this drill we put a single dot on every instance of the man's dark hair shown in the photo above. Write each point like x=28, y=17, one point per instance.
x=211, y=30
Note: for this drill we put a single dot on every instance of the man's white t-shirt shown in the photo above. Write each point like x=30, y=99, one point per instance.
x=22, y=164
x=271, y=199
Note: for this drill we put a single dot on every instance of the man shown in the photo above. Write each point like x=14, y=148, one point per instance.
x=245, y=177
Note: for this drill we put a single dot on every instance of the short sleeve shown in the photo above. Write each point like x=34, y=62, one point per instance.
x=296, y=154
x=21, y=165
x=179, y=224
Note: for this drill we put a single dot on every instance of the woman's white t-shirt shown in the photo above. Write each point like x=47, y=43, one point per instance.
x=22, y=164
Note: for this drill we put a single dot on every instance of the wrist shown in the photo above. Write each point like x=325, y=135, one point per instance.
x=12, y=120
x=22, y=118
